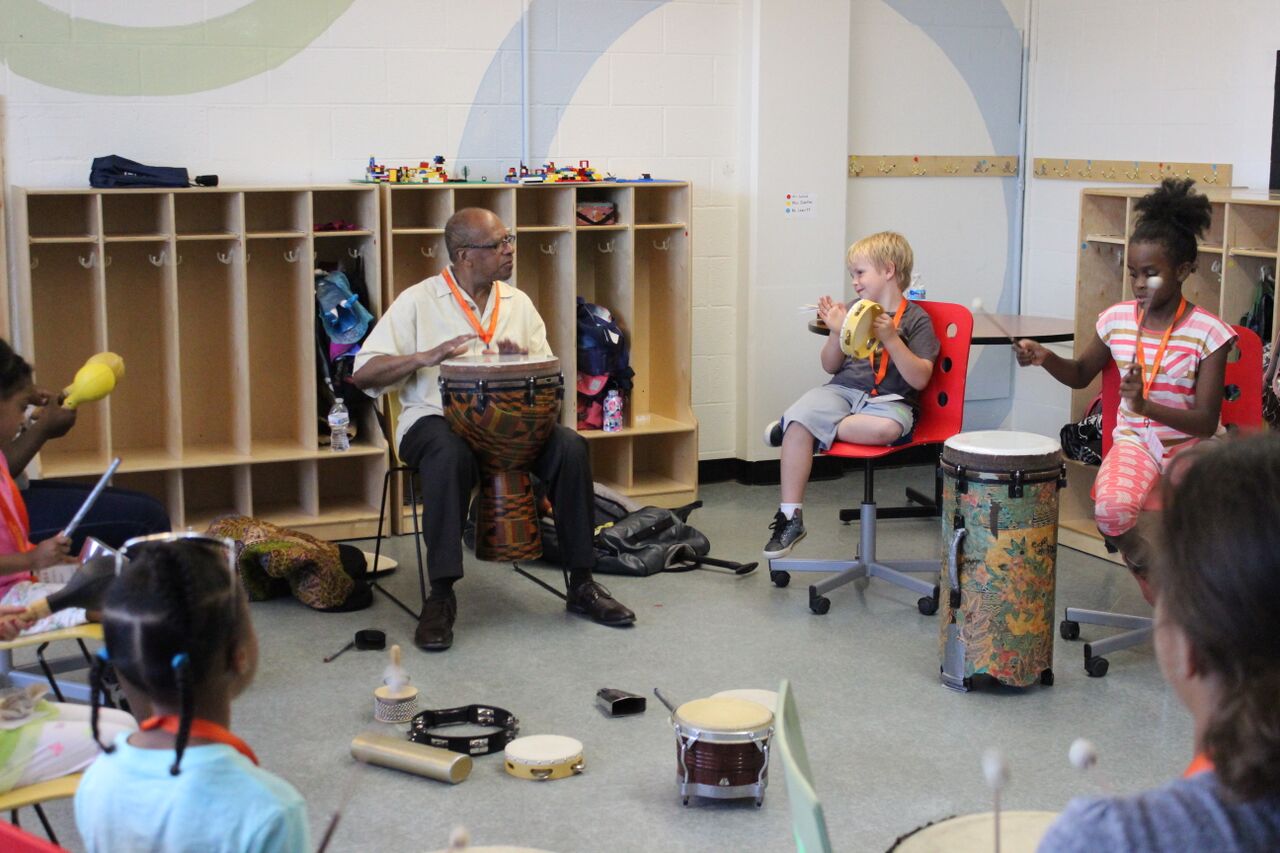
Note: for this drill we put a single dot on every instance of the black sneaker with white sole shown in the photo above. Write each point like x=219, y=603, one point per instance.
x=773, y=434
x=786, y=533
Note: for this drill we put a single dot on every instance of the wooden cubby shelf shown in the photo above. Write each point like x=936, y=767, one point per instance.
x=208, y=295
x=1243, y=238
x=638, y=268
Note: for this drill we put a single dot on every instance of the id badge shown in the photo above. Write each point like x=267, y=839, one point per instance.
x=1154, y=446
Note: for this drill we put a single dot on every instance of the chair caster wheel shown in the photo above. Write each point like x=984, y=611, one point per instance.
x=928, y=604
x=759, y=803
x=779, y=578
x=1046, y=678
x=1070, y=630
x=1096, y=667
x=819, y=604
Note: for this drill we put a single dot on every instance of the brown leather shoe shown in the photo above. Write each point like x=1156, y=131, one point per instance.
x=594, y=600
x=435, y=626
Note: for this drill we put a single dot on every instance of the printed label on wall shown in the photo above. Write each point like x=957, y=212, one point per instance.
x=800, y=205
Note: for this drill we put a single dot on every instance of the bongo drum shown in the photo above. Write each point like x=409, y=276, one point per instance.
x=767, y=698
x=1000, y=535
x=544, y=757
x=722, y=748
x=1020, y=832
x=856, y=337
x=505, y=407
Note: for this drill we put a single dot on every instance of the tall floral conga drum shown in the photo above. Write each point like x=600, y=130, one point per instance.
x=505, y=407
x=1000, y=543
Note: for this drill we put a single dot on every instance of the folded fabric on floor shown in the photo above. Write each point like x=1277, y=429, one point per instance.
x=273, y=560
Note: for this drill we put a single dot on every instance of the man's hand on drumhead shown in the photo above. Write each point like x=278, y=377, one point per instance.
x=451, y=348
x=506, y=346
x=1028, y=352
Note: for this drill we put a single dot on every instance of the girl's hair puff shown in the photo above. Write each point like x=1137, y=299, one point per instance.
x=169, y=620
x=1216, y=580
x=15, y=373
x=1173, y=216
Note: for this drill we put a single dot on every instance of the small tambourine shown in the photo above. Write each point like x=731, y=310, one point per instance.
x=544, y=757
x=421, y=728
x=856, y=337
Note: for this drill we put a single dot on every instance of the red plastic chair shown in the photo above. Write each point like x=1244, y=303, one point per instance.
x=1241, y=409
x=16, y=840
x=941, y=416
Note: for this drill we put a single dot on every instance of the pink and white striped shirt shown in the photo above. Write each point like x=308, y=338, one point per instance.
x=1197, y=336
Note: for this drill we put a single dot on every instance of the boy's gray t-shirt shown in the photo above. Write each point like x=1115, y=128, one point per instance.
x=916, y=331
x=1188, y=814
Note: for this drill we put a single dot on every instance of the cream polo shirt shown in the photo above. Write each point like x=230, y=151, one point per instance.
x=426, y=315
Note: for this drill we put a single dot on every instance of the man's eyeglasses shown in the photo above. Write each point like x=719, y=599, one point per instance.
x=509, y=240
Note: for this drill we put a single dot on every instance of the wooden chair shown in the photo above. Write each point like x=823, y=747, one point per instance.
x=941, y=416
x=1241, y=409
x=808, y=824
x=33, y=795
x=79, y=633
x=409, y=476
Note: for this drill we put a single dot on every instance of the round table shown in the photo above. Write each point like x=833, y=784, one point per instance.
x=1045, y=330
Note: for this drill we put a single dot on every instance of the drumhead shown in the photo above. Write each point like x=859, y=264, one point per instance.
x=543, y=750
x=724, y=715
x=855, y=336
x=767, y=698
x=1002, y=450
x=1020, y=832
x=499, y=366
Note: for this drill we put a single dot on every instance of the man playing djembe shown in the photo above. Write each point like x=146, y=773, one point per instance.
x=469, y=308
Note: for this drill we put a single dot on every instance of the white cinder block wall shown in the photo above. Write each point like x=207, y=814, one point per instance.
x=632, y=85
x=1144, y=80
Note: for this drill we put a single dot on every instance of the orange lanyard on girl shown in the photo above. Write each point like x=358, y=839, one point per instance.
x=202, y=729
x=1148, y=381
x=1199, y=764
x=485, y=335
x=14, y=512
x=884, y=362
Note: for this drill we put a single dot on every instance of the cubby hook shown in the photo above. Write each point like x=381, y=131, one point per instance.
x=663, y=246
x=106, y=261
x=291, y=256
x=177, y=260
x=547, y=248
x=226, y=257
x=427, y=253
x=86, y=262
x=353, y=253
x=35, y=262
x=157, y=261
x=605, y=248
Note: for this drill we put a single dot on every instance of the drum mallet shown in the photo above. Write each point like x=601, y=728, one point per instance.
x=996, y=772
x=91, y=499
x=977, y=306
x=1083, y=756
x=663, y=700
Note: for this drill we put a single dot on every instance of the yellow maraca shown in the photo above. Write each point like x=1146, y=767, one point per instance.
x=111, y=360
x=92, y=382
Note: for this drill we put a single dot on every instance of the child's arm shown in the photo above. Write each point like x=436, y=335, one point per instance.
x=50, y=552
x=48, y=421
x=1072, y=372
x=833, y=314
x=914, y=369
x=1202, y=418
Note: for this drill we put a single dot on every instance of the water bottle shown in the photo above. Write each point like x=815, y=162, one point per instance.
x=915, y=290
x=613, y=412
x=339, y=420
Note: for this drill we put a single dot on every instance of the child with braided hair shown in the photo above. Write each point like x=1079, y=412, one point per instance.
x=1172, y=356
x=177, y=630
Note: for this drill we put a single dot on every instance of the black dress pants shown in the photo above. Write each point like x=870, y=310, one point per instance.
x=448, y=471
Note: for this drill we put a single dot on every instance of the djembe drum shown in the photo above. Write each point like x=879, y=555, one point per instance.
x=1020, y=832
x=1000, y=535
x=505, y=407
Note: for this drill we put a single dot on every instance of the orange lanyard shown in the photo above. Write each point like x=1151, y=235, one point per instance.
x=1199, y=764
x=1148, y=381
x=14, y=511
x=884, y=362
x=202, y=729
x=485, y=335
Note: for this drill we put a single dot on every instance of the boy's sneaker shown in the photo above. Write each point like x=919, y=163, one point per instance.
x=786, y=533
x=773, y=434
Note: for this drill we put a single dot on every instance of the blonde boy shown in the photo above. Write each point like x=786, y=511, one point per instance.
x=867, y=401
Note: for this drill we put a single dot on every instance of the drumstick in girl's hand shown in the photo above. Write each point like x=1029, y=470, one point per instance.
x=1083, y=756
x=977, y=306
x=996, y=773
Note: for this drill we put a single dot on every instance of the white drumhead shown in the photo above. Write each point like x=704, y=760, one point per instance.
x=497, y=359
x=1002, y=442
x=499, y=849
x=1020, y=832
x=542, y=750
x=767, y=698
x=724, y=715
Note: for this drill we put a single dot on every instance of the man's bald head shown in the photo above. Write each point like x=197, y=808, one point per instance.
x=471, y=226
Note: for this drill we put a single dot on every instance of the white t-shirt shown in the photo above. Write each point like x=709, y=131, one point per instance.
x=426, y=315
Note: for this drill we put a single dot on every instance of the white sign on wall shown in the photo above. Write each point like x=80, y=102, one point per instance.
x=800, y=205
